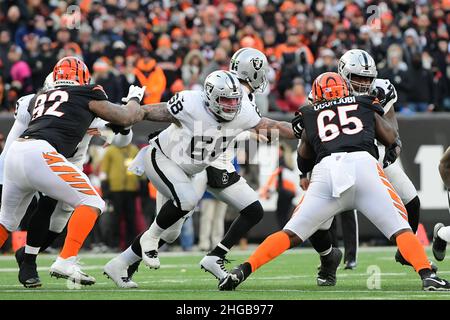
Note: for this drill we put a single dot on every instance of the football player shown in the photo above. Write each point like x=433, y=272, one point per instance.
x=441, y=234
x=50, y=218
x=337, y=144
x=359, y=69
x=37, y=160
x=202, y=136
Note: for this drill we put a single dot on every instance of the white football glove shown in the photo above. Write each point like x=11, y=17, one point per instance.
x=134, y=92
x=386, y=93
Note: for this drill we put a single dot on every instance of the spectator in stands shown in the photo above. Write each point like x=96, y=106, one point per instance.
x=420, y=95
x=296, y=96
x=192, y=68
x=149, y=74
x=121, y=188
x=20, y=71
x=104, y=76
x=326, y=62
x=119, y=29
x=411, y=45
x=395, y=71
x=219, y=62
x=167, y=60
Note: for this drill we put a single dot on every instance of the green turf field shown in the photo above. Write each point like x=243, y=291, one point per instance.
x=291, y=276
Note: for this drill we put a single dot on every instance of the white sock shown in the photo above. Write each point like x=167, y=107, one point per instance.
x=32, y=250
x=129, y=257
x=326, y=252
x=154, y=231
x=444, y=233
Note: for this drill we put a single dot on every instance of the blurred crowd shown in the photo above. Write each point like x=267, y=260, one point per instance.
x=171, y=45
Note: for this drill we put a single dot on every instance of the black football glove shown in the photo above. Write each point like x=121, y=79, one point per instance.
x=392, y=152
x=118, y=129
x=297, y=124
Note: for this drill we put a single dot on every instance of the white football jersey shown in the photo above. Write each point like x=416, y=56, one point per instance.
x=22, y=118
x=201, y=138
x=225, y=160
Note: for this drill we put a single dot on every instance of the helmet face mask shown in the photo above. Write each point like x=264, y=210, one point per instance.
x=223, y=94
x=359, y=84
x=249, y=65
x=359, y=69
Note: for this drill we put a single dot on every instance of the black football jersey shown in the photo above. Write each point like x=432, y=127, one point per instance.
x=61, y=116
x=342, y=125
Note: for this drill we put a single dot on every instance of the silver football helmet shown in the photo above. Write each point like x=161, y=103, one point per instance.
x=223, y=94
x=359, y=69
x=250, y=65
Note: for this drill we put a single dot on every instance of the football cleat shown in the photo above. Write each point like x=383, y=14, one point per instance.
x=328, y=266
x=233, y=279
x=116, y=270
x=28, y=275
x=399, y=258
x=439, y=245
x=350, y=265
x=70, y=269
x=434, y=283
x=149, y=247
x=215, y=266
x=20, y=255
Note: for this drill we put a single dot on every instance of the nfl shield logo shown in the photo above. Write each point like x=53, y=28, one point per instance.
x=225, y=178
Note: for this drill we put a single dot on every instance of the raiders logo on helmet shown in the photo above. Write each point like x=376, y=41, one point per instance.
x=257, y=63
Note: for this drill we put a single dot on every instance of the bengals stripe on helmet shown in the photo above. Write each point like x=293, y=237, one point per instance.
x=71, y=69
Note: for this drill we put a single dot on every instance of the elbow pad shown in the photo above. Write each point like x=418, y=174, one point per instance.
x=304, y=165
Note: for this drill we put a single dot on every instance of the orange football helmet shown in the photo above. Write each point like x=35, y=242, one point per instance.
x=71, y=71
x=329, y=86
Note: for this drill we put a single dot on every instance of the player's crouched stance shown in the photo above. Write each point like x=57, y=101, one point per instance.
x=340, y=130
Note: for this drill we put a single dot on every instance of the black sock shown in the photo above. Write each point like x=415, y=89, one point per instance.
x=321, y=240
x=246, y=269
x=246, y=220
x=425, y=273
x=413, y=209
x=169, y=214
x=136, y=245
x=51, y=237
x=218, y=251
x=40, y=222
x=29, y=258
